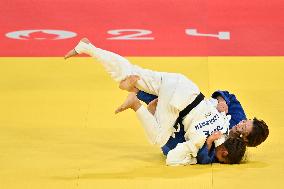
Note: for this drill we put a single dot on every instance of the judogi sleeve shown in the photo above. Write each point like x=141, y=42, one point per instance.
x=185, y=153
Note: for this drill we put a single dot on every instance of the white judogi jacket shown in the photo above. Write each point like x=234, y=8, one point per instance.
x=174, y=92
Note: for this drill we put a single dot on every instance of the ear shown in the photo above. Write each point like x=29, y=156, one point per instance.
x=245, y=138
x=224, y=153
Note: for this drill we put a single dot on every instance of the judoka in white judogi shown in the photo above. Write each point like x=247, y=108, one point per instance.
x=175, y=92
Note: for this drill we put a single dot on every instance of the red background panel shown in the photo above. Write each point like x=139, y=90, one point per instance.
x=256, y=27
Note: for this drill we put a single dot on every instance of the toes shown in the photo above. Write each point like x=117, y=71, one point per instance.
x=134, y=78
x=70, y=54
x=120, y=109
x=85, y=40
x=117, y=111
x=137, y=77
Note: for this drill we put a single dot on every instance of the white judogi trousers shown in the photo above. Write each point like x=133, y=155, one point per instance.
x=174, y=92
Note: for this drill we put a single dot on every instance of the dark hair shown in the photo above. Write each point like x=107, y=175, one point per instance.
x=236, y=148
x=258, y=134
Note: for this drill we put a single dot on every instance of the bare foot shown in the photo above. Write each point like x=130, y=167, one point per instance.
x=73, y=52
x=152, y=106
x=70, y=54
x=128, y=84
x=130, y=102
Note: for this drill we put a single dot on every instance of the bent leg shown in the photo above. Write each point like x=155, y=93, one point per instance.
x=154, y=132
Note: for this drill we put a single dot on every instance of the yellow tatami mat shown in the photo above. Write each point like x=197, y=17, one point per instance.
x=58, y=128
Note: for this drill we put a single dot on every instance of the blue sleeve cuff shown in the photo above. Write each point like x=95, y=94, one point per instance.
x=146, y=97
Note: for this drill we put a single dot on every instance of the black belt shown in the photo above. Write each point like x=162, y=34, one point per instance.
x=185, y=111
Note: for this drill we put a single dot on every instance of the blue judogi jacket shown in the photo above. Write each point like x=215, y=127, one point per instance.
x=204, y=156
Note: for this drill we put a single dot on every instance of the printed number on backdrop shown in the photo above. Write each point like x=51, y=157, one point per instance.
x=221, y=35
x=138, y=35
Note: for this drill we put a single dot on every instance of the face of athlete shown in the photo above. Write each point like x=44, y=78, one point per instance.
x=244, y=127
